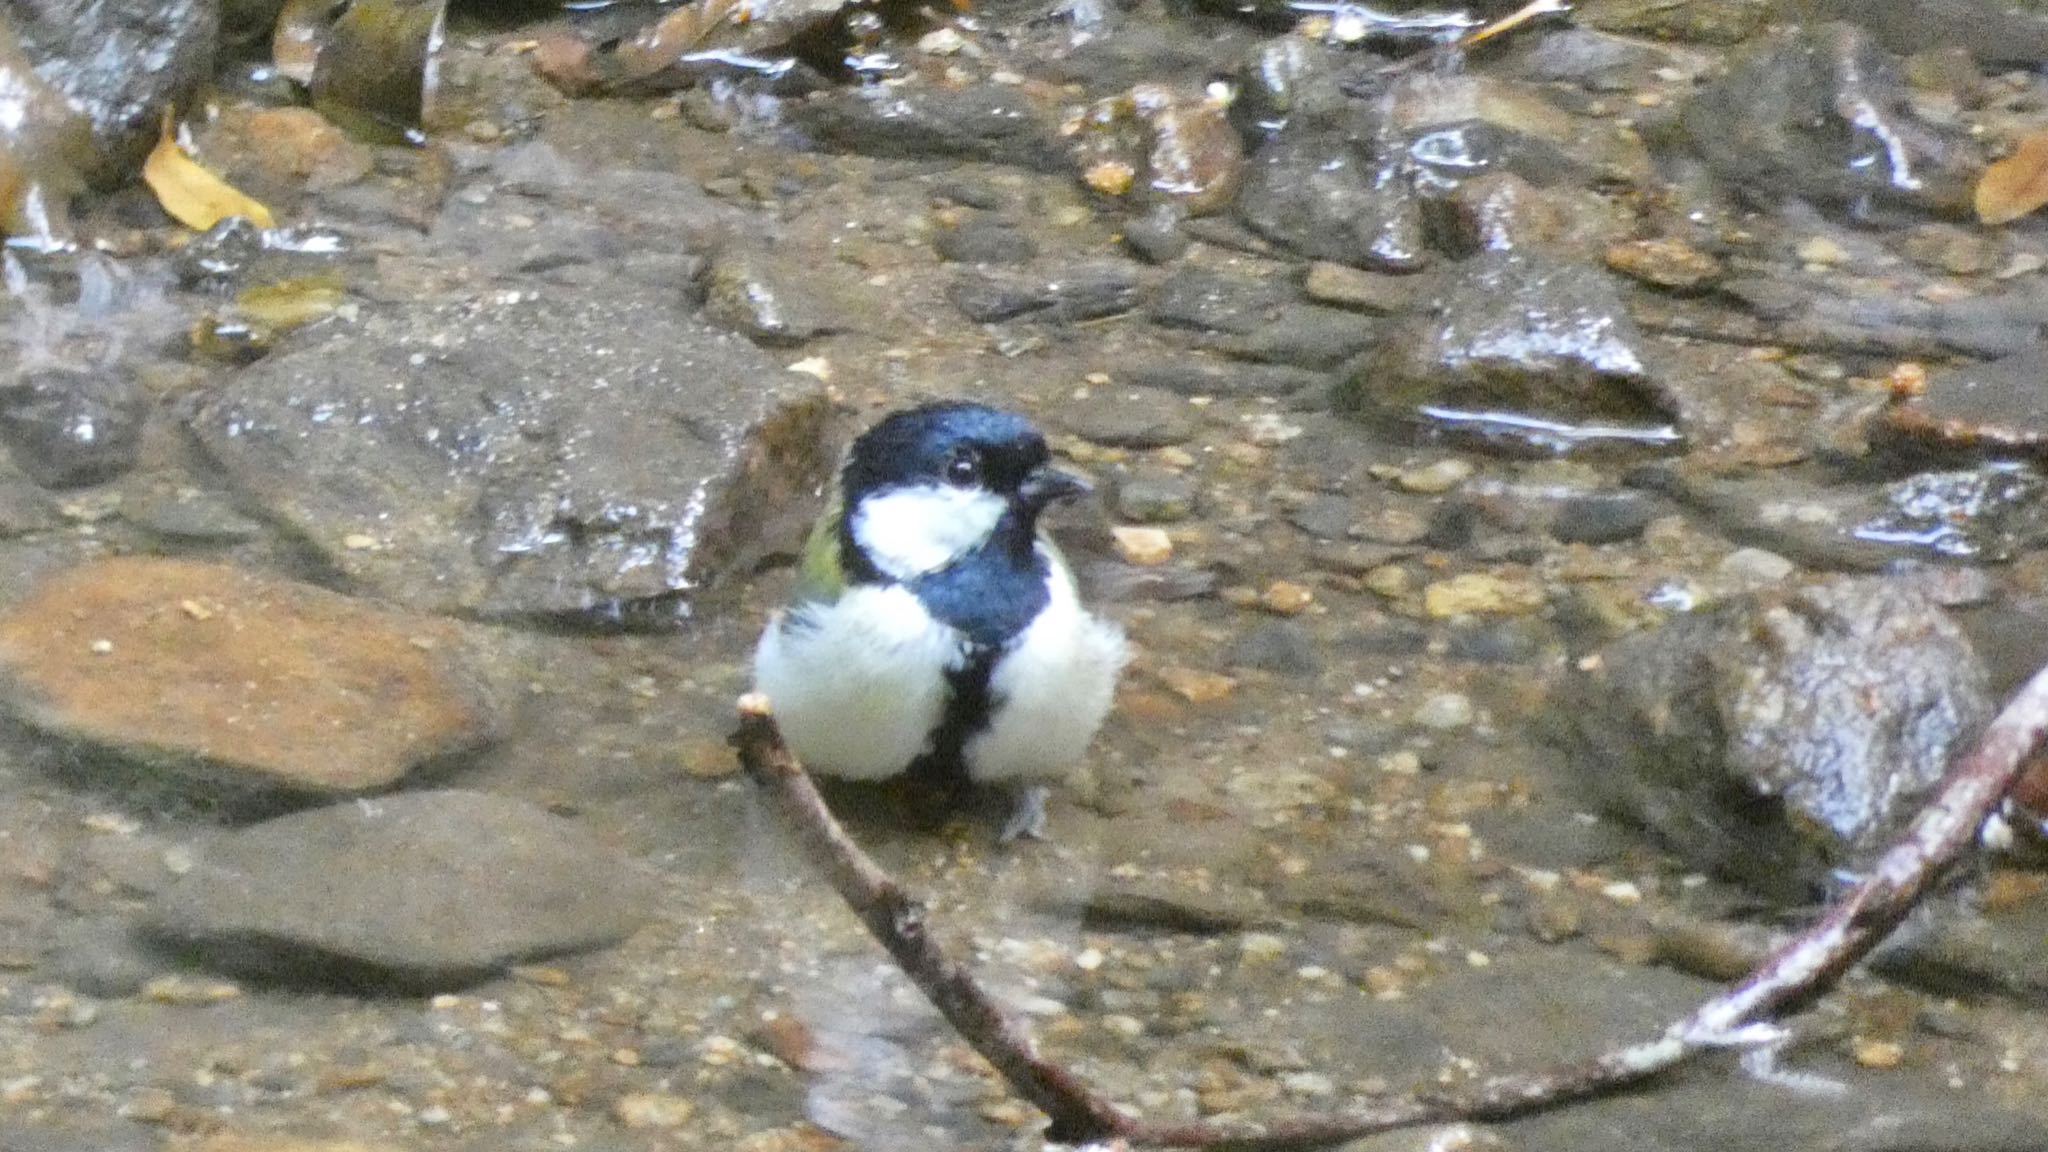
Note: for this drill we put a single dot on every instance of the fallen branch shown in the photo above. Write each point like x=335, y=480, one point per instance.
x=1805, y=968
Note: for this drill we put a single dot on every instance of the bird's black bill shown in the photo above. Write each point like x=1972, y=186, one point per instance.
x=1046, y=486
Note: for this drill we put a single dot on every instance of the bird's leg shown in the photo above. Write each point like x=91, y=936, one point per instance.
x=1027, y=819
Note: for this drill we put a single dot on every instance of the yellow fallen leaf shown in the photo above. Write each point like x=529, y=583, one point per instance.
x=193, y=196
x=2016, y=185
x=286, y=304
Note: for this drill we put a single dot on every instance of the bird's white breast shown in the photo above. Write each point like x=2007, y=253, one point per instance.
x=1050, y=690
x=859, y=684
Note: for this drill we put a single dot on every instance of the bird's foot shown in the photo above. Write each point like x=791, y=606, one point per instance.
x=1027, y=820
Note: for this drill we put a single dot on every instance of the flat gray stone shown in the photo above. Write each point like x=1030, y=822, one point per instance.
x=409, y=891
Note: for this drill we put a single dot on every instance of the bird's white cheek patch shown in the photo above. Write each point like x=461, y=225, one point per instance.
x=917, y=529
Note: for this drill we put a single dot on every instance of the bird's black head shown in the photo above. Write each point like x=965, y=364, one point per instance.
x=957, y=444
x=931, y=485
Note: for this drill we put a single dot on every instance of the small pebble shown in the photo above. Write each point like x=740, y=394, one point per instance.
x=652, y=1110
x=1445, y=711
x=1197, y=686
x=1878, y=1053
x=1430, y=479
x=1479, y=594
x=1286, y=598
x=1821, y=250
x=1349, y=287
x=1389, y=580
x=1666, y=263
x=1261, y=946
x=1145, y=547
x=1753, y=567
x=1128, y=1027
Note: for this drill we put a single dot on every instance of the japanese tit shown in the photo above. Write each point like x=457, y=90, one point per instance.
x=935, y=630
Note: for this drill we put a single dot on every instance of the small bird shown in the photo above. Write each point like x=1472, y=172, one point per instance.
x=935, y=629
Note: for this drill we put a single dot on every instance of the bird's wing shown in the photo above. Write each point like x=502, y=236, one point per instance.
x=819, y=577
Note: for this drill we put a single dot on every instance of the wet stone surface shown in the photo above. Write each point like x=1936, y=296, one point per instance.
x=245, y=683
x=505, y=439
x=1518, y=336
x=1829, y=709
x=496, y=407
x=414, y=891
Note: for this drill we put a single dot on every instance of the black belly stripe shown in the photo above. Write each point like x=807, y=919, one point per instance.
x=969, y=708
x=990, y=595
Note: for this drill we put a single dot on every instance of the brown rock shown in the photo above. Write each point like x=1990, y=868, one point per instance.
x=237, y=677
x=1665, y=263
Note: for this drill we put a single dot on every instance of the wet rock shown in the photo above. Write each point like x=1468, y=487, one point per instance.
x=1728, y=22
x=1084, y=292
x=1974, y=411
x=1984, y=515
x=238, y=680
x=24, y=508
x=1200, y=376
x=1325, y=516
x=1165, y=145
x=410, y=891
x=68, y=427
x=1664, y=263
x=1303, y=336
x=1590, y=59
x=1993, y=32
x=235, y=254
x=751, y=294
x=995, y=123
x=375, y=68
x=1819, y=112
x=1321, y=190
x=1859, y=318
x=1156, y=236
x=984, y=240
x=1780, y=736
x=1481, y=594
x=1129, y=418
x=1205, y=301
x=1607, y=519
x=1155, y=496
x=1374, y=292
x=46, y=149
x=190, y=516
x=121, y=63
x=1953, y=249
x=1512, y=641
x=467, y=452
x=102, y=957
x=1281, y=646
x=1523, y=336
x=72, y=407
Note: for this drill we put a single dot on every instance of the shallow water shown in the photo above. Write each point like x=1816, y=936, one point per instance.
x=1323, y=851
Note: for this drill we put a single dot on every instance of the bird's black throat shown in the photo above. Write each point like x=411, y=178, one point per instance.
x=990, y=594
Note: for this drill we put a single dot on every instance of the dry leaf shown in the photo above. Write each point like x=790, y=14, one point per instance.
x=286, y=304
x=2016, y=185
x=195, y=197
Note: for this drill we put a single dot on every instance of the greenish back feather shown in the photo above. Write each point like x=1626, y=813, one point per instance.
x=819, y=578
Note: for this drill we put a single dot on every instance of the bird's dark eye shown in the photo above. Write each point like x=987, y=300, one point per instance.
x=963, y=466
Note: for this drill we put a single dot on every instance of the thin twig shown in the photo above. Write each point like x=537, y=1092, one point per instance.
x=899, y=922
x=1805, y=968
